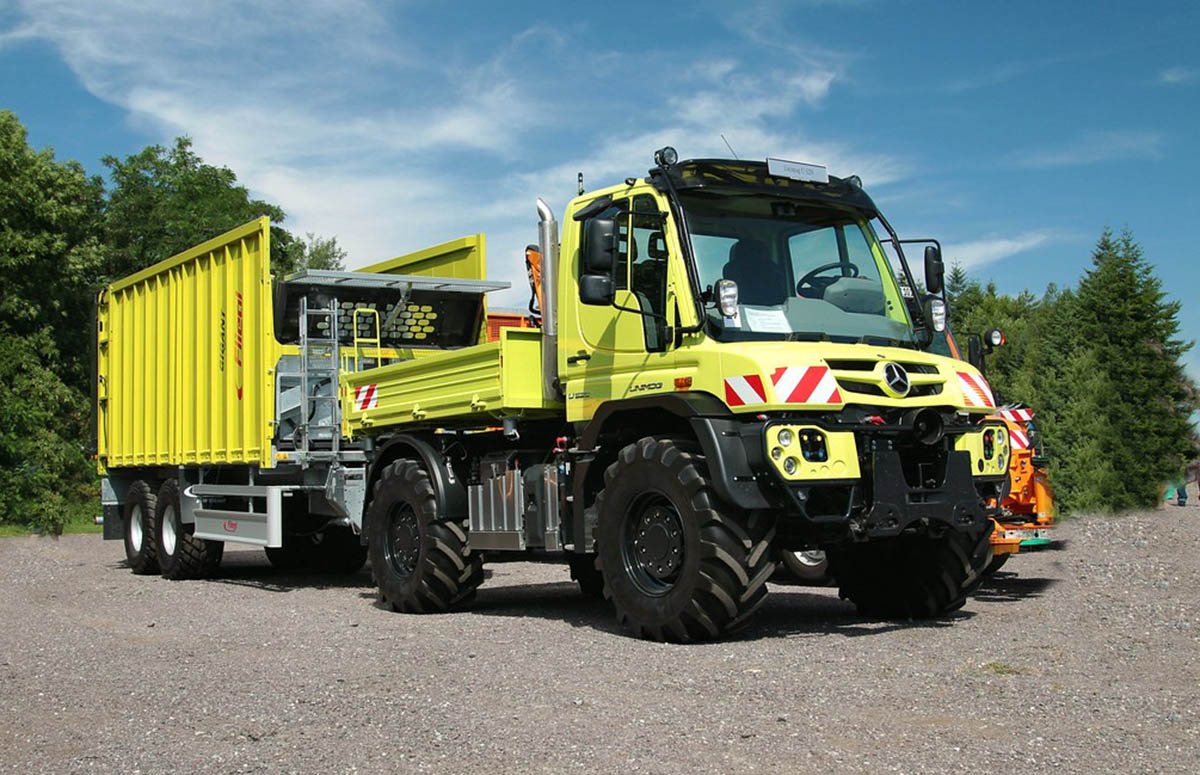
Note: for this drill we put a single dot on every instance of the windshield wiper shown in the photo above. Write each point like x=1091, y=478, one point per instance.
x=883, y=341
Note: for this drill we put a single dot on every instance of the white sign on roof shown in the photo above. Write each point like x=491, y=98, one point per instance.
x=798, y=170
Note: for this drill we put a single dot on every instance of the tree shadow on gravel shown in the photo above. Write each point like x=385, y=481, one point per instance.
x=1003, y=587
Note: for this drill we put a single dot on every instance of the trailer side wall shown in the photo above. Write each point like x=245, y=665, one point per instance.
x=186, y=354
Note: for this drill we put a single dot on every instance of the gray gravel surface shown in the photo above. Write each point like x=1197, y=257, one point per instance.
x=1081, y=660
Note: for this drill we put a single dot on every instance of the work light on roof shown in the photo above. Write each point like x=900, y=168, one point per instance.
x=665, y=157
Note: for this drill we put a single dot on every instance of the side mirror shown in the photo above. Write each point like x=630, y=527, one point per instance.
x=599, y=246
x=934, y=270
x=975, y=351
x=596, y=290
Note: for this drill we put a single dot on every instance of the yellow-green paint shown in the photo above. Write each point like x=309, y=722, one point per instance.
x=464, y=258
x=997, y=464
x=186, y=354
x=471, y=387
x=842, y=462
x=619, y=366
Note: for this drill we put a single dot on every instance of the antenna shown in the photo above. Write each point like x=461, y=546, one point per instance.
x=580, y=182
x=730, y=147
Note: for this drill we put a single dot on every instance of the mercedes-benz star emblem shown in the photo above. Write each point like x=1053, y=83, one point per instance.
x=896, y=378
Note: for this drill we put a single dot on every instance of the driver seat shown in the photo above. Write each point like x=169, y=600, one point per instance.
x=761, y=282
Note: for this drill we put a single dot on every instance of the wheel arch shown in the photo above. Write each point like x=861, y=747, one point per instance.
x=701, y=417
x=450, y=491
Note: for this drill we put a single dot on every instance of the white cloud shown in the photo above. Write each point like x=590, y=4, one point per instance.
x=358, y=127
x=1177, y=75
x=976, y=253
x=1094, y=147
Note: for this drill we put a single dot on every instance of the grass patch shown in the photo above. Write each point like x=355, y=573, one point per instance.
x=80, y=518
x=1003, y=668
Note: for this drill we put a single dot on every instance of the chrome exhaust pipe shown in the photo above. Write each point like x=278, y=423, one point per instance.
x=548, y=247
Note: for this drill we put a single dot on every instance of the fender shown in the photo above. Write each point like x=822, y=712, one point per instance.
x=450, y=492
x=709, y=420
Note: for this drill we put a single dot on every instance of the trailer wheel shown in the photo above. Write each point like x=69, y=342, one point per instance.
x=293, y=555
x=585, y=572
x=421, y=561
x=912, y=577
x=140, y=530
x=180, y=554
x=677, y=563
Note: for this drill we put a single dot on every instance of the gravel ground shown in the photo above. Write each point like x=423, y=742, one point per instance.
x=1080, y=660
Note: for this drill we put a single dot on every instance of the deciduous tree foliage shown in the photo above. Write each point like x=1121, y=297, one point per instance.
x=62, y=238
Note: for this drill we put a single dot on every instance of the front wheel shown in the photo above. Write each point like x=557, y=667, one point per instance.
x=912, y=576
x=677, y=563
x=421, y=561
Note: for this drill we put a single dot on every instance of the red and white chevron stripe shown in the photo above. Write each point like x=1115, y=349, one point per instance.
x=805, y=385
x=366, y=397
x=745, y=391
x=1018, y=438
x=975, y=390
x=1017, y=415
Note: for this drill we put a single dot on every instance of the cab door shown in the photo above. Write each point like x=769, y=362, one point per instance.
x=623, y=351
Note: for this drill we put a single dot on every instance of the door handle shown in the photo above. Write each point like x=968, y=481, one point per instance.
x=573, y=359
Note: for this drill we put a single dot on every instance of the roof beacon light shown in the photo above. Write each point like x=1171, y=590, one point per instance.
x=798, y=170
x=665, y=157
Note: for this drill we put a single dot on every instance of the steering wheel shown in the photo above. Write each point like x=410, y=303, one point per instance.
x=817, y=285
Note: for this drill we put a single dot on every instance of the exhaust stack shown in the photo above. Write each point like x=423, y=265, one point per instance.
x=548, y=246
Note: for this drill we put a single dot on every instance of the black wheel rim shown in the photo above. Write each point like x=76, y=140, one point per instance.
x=652, y=546
x=403, y=544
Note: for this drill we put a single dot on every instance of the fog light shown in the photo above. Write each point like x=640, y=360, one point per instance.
x=776, y=453
x=785, y=437
x=789, y=466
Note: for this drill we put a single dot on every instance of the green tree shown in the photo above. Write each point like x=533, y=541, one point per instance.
x=315, y=252
x=1144, y=401
x=166, y=200
x=49, y=257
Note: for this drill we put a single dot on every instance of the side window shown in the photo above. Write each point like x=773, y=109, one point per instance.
x=648, y=268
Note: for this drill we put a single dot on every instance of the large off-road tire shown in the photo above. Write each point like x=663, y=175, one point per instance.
x=421, y=561
x=807, y=567
x=912, y=577
x=677, y=563
x=140, y=530
x=180, y=554
x=588, y=576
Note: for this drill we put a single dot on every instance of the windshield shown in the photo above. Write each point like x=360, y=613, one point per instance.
x=802, y=271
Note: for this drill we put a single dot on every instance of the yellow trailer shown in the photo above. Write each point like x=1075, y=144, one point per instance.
x=186, y=356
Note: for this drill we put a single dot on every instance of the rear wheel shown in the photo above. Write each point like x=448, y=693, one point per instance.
x=677, y=564
x=421, y=561
x=140, y=530
x=180, y=554
x=996, y=564
x=584, y=571
x=912, y=577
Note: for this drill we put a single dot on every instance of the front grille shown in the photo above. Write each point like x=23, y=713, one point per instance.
x=871, y=389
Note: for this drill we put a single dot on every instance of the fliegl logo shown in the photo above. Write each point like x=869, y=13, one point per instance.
x=237, y=344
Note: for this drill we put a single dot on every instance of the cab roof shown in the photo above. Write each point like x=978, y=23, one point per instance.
x=724, y=175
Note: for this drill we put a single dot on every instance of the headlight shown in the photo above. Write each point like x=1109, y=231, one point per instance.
x=776, y=453
x=789, y=466
x=785, y=437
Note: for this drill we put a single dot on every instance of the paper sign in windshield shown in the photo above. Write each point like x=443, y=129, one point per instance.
x=766, y=321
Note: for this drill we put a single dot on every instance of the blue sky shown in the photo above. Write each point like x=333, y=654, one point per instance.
x=1014, y=132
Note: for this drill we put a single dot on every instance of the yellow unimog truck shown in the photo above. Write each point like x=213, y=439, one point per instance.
x=726, y=369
